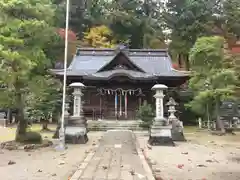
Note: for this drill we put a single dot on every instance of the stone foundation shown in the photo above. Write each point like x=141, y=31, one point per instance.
x=160, y=141
x=178, y=136
x=82, y=139
x=177, y=131
x=161, y=136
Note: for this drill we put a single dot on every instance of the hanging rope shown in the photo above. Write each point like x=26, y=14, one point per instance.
x=103, y=91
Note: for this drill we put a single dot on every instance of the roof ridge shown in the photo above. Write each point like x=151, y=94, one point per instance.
x=148, y=50
x=88, y=49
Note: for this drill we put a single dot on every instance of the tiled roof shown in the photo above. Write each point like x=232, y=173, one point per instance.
x=154, y=63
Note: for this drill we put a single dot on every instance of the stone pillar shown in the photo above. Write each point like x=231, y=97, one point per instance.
x=76, y=129
x=160, y=132
x=200, y=123
x=77, y=101
x=3, y=119
x=177, y=125
x=159, y=103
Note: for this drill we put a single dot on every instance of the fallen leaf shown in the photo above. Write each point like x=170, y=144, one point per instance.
x=180, y=166
x=61, y=163
x=104, y=167
x=149, y=146
x=157, y=177
x=132, y=172
x=157, y=170
x=11, y=162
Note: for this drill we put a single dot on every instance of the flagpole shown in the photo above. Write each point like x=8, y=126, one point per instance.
x=61, y=131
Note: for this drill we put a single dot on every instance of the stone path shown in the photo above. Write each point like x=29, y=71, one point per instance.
x=116, y=158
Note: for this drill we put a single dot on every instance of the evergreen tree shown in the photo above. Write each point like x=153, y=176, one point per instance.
x=26, y=33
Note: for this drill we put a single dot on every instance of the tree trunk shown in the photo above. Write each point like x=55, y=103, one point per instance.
x=9, y=116
x=22, y=123
x=179, y=60
x=187, y=64
x=45, y=125
x=220, y=124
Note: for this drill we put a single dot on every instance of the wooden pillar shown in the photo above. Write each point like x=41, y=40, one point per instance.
x=116, y=104
x=100, y=105
x=120, y=104
x=125, y=96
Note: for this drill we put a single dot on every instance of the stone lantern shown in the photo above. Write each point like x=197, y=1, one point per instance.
x=160, y=132
x=177, y=125
x=76, y=129
x=171, y=109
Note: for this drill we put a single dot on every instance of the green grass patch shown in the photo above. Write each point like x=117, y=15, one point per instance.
x=190, y=129
x=8, y=133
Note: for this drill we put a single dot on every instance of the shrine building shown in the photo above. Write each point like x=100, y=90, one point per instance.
x=118, y=81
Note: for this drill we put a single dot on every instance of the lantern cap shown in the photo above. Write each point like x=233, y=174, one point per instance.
x=159, y=86
x=77, y=84
x=171, y=102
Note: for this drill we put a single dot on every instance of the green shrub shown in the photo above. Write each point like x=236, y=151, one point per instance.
x=30, y=138
x=146, y=114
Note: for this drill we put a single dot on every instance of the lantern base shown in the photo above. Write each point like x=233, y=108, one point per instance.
x=76, y=135
x=160, y=141
x=161, y=136
x=177, y=131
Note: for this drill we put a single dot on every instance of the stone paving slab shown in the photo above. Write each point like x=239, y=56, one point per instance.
x=116, y=158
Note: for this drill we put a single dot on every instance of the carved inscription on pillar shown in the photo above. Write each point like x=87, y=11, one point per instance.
x=77, y=105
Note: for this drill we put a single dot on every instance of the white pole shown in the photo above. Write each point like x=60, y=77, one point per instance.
x=208, y=118
x=61, y=133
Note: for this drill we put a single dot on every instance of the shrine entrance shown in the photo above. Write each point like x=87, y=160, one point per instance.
x=120, y=103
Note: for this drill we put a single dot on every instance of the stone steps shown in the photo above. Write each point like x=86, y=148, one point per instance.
x=104, y=125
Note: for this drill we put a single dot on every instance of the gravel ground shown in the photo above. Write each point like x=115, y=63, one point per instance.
x=46, y=163
x=204, y=157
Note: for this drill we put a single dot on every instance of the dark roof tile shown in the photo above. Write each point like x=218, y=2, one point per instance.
x=154, y=62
